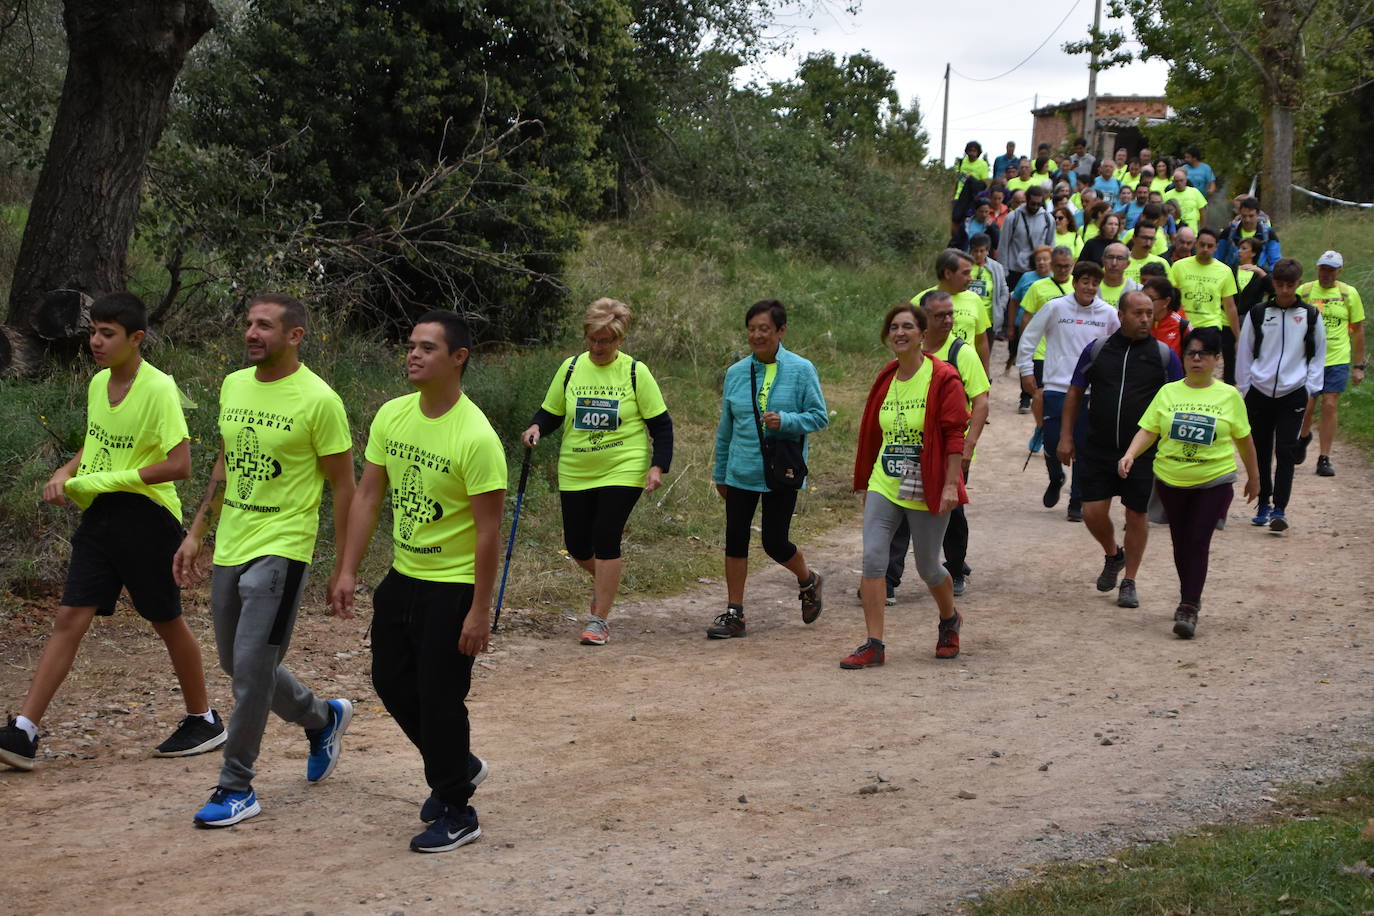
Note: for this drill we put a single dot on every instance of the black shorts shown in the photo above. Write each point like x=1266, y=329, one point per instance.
x=1098, y=479
x=125, y=541
x=594, y=520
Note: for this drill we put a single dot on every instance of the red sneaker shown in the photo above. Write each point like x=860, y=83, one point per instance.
x=869, y=654
x=947, y=645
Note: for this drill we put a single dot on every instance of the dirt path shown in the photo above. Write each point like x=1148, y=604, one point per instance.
x=669, y=773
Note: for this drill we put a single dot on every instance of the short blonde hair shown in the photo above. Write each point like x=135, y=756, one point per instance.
x=607, y=314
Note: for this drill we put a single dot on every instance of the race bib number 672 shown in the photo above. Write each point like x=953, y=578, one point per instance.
x=1193, y=428
x=596, y=414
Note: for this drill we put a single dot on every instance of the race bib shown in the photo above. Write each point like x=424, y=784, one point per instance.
x=1193, y=428
x=896, y=456
x=597, y=415
x=979, y=287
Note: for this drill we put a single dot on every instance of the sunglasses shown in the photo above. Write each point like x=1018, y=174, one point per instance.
x=1191, y=353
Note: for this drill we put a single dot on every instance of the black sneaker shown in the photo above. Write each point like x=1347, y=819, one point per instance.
x=1126, y=597
x=1075, y=513
x=17, y=749
x=478, y=770
x=810, y=597
x=193, y=736
x=451, y=829
x=1111, y=568
x=1051, y=497
x=1185, y=621
x=1300, y=450
x=727, y=625
x=1324, y=468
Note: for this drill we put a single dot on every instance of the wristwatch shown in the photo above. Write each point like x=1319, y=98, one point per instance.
x=1359, y=366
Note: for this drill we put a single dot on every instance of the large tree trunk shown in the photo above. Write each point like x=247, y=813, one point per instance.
x=1278, y=164
x=1279, y=47
x=124, y=59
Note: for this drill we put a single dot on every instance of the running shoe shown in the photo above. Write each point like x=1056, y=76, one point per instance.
x=1075, y=512
x=1261, y=517
x=1300, y=450
x=1126, y=597
x=597, y=632
x=890, y=600
x=810, y=597
x=451, y=829
x=478, y=770
x=1112, y=568
x=1324, y=468
x=226, y=808
x=17, y=749
x=947, y=644
x=1185, y=620
x=1051, y=497
x=193, y=736
x=960, y=586
x=1037, y=440
x=327, y=743
x=871, y=653
x=1277, y=520
x=727, y=625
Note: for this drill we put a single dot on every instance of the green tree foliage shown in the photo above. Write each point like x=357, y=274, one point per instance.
x=33, y=57
x=440, y=152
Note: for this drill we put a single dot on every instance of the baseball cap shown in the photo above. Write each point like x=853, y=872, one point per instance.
x=1330, y=259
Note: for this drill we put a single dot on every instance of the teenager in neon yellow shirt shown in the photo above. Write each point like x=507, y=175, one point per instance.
x=1207, y=286
x=608, y=406
x=282, y=432
x=954, y=270
x=123, y=477
x=437, y=456
x=1343, y=313
x=1200, y=422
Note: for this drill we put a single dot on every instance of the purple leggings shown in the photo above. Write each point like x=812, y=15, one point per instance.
x=1193, y=517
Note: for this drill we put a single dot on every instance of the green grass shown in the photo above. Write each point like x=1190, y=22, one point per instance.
x=1291, y=863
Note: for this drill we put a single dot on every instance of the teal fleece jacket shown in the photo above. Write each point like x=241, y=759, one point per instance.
x=795, y=396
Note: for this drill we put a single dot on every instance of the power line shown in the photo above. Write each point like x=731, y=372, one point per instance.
x=991, y=110
x=1042, y=44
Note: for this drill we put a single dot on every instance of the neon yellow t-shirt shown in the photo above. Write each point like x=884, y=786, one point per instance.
x=1161, y=184
x=981, y=286
x=1069, y=240
x=1196, y=427
x=434, y=466
x=903, y=420
x=1340, y=307
x=1133, y=266
x=605, y=443
x=1112, y=294
x=1090, y=231
x=770, y=372
x=970, y=316
x=970, y=370
x=274, y=436
x=136, y=433
x=1190, y=203
x=1040, y=292
x=1202, y=288
x=1127, y=179
x=973, y=168
x=1020, y=184
x=1161, y=243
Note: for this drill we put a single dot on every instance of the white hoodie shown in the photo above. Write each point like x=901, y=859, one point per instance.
x=1067, y=328
x=1282, y=366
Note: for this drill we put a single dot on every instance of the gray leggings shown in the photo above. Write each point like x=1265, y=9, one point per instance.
x=881, y=518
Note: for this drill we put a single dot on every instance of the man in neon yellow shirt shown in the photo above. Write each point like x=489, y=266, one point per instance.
x=1115, y=283
x=438, y=457
x=1023, y=179
x=122, y=477
x=954, y=268
x=1142, y=250
x=1343, y=314
x=282, y=432
x=1207, y=290
x=1192, y=203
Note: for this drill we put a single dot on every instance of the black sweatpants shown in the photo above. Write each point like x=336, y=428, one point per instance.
x=778, y=506
x=421, y=676
x=1275, y=424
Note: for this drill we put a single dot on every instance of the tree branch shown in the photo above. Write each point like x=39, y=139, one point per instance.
x=1240, y=44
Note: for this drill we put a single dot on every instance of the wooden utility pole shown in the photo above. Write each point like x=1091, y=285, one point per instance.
x=944, y=121
x=1090, y=109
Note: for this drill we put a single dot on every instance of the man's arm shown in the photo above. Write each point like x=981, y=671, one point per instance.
x=1232, y=316
x=978, y=418
x=486, y=514
x=338, y=467
x=184, y=569
x=984, y=351
x=1201, y=215
x=363, y=510
x=54, y=491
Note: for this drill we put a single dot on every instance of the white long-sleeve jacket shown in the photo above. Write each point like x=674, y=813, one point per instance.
x=1282, y=365
x=1067, y=328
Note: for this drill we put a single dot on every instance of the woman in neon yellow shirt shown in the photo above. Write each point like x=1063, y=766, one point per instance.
x=1200, y=422
x=608, y=406
x=1066, y=231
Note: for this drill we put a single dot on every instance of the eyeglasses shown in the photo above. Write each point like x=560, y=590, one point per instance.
x=1192, y=354
x=1114, y=257
x=1159, y=298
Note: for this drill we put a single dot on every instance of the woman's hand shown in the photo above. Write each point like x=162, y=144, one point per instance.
x=949, y=498
x=1254, y=269
x=720, y=488
x=772, y=420
x=530, y=437
x=1251, y=490
x=654, y=480
x=1123, y=467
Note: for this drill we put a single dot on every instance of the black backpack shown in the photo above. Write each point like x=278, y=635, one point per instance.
x=634, y=383
x=1309, y=340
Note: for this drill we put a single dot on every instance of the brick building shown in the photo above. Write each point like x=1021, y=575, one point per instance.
x=1119, y=122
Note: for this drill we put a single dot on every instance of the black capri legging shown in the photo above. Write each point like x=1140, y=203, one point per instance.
x=778, y=506
x=594, y=520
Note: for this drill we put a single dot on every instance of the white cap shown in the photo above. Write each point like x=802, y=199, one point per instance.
x=1330, y=259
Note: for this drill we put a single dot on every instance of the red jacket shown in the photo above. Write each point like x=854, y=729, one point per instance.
x=947, y=417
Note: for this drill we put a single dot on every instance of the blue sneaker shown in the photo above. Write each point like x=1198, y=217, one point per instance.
x=225, y=808
x=1278, y=521
x=1037, y=439
x=1261, y=517
x=453, y=828
x=327, y=743
x=478, y=770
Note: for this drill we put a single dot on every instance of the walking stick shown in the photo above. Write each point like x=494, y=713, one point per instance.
x=510, y=542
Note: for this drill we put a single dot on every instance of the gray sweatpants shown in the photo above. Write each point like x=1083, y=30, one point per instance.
x=881, y=518
x=254, y=608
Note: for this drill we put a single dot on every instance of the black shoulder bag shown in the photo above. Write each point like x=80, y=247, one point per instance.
x=783, y=465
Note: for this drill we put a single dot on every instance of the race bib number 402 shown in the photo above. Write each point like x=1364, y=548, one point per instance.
x=596, y=414
x=1193, y=428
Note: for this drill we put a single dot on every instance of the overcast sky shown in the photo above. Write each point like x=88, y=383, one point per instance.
x=915, y=38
